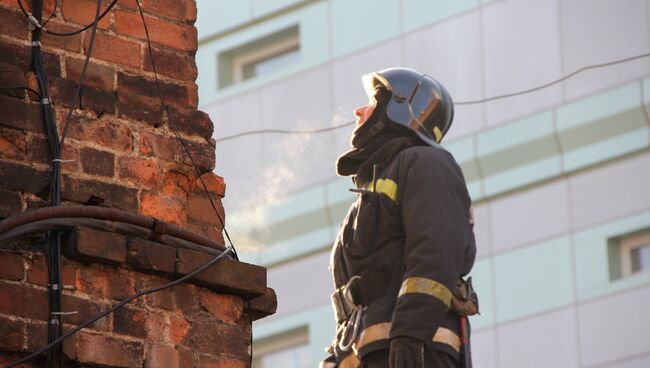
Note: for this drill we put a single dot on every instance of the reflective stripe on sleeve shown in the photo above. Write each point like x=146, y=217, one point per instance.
x=422, y=285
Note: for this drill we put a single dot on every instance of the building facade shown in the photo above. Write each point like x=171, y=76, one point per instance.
x=558, y=175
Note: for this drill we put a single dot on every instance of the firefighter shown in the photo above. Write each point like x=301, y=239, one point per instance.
x=407, y=241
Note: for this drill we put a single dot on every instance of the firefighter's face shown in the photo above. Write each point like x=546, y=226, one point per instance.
x=363, y=112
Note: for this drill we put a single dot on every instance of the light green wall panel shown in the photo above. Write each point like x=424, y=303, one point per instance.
x=263, y=7
x=592, y=260
x=215, y=16
x=360, y=23
x=418, y=13
x=616, y=146
x=533, y=279
x=515, y=134
x=646, y=95
x=484, y=286
x=523, y=175
x=464, y=152
x=319, y=322
x=313, y=23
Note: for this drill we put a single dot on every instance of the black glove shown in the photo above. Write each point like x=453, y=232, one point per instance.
x=406, y=352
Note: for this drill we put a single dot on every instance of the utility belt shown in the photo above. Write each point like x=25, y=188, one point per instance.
x=350, y=300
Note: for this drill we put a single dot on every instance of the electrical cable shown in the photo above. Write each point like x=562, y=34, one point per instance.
x=460, y=103
x=24, y=88
x=42, y=25
x=178, y=137
x=118, y=306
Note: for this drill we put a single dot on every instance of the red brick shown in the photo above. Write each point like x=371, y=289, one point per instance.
x=213, y=232
x=163, y=208
x=11, y=334
x=37, y=272
x=179, y=65
x=183, y=10
x=11, y=76
x=185, y=296
x=80, y=190
x=69, y=43
x=99, y=245
x=156, y=327
x=146, y=172
x=10, y=203
x=12, y=266
x=138, y=107
x=19, y=114
x=208, y=337
x=192, y=122
x=85, y=310
x=136, y=85
x=102, y=283
x=13, y=144
x=264, y=305
x=179, y=327
x=36, y=335
x=103, y=132
x=20, y=57
x=107, y=351
x=163, y=299
x=23, y=301
x=96, y=162
x=83, y=12
x=213, y=182
x=14, y=177
x=178, y=36
x=170, y=149
x=225, y=308
x=162, y=356
x=199, y=208
x=129, y=321
x=97, y=75
x=176, y=185
x=13, y=24
x=146, y=255
x=207, y=361
x=63, y=92
x=98, y=100
x=111, y=48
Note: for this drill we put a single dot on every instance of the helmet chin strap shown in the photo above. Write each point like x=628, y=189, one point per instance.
x=366, y=136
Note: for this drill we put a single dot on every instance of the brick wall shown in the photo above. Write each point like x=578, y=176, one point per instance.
x=121, y=150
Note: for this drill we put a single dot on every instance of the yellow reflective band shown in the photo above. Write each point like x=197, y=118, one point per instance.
x=437, y=133
x=422, y=285
x=381, y=331
x=350, y=361
x=385, y=186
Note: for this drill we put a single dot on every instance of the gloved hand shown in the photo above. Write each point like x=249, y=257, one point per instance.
x=406, y=352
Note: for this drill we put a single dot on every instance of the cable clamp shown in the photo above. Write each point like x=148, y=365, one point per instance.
x=46, y=101
x=60, y=160
x=54, y=286
x=54, y=321
x=33, y=22
x=36, y=43
x=64, y=313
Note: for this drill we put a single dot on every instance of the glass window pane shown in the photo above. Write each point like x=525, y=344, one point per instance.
x=641, y=258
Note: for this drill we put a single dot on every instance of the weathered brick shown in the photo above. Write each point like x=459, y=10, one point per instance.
x=83, y=12
x=107, y=351
x=53, y=42
x=23, y=301
x=116, y=50
x=169, y=148
x=240, y=278
x=213, y=182
x=103, y=132
x=146, y=255
x=213, y=232
x=163, y=299
x=140, y=108
x=162, y=356
x=184, y=10
x=15, y=177
x=100, y=245
x=63, y=92
x=98, y=100
x=37, y=271
x=163, y=208
x=179, y=65
x=206, y=336
x=129, y=321
x=36, y=335
x=11, y=334
x=97, y=75
x=10, y=203
x=208, y=361
x=96, y=162
x=135, y=85
x=185, y=296
x=80, y=190
x=109, y=284
x=199, y=208
x=178, y=36
x=223, y=307
x=13, y=143
x=176, y=184
x=13, y=23
x=264, y=305
x=156, y=327
x=85, y=310
x=10, y=76
x=192, y=122
x=146, y=172
x=17, y=55
x=179, y=328
x=17, y=113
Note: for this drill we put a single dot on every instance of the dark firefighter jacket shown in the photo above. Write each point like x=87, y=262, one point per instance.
x=409, y=240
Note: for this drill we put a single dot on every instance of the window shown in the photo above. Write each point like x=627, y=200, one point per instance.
x=288, y=350
x=260, y=57
x=629, y=254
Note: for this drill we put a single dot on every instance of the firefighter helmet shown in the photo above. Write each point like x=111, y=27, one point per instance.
x=417, y=101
